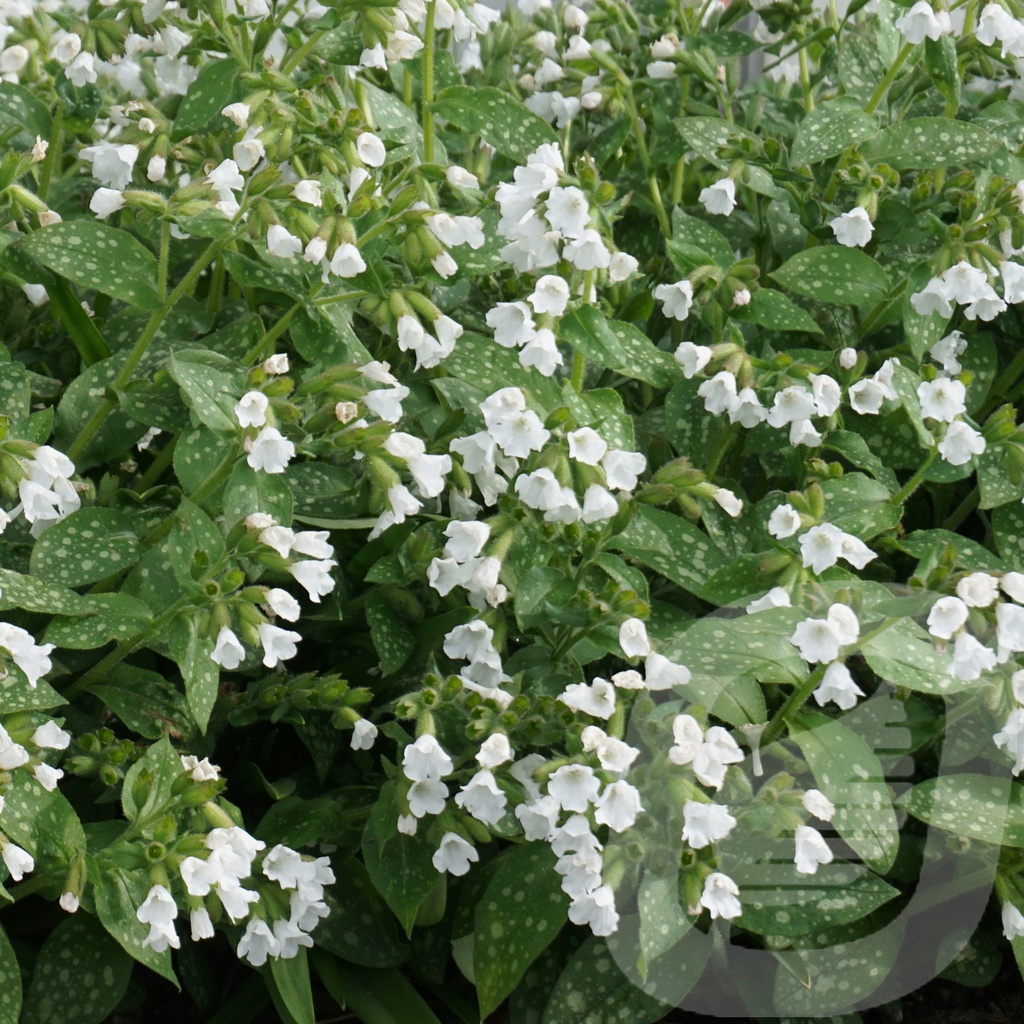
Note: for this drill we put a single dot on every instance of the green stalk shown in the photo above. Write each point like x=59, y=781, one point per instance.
x=52, y=152
x=428, y=84
x=915, y=481
x=645, y=156
x=165, y=256
x=890, y=77
x=794, y=701
x=108, y=405
x=579, y=363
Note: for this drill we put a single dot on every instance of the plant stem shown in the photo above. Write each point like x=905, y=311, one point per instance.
x=793, y=701
x=890, y=76
x=428, y=84
x=123, y=649
x=915, y=481
x=157, y=467
x=52, y=152
x=962, y=511
x=721, y=446
x=165, y=256
x=645, y=156
x=108, y=405
x=579, y=363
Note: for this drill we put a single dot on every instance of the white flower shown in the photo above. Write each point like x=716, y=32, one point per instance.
x=159, y=910
x=1013, y=919
x=370, y=149
x=935, y=297
x=588, y=251
x=278, y=644
x=854, y=228
x=837, y=685
x=815, y=802
x=777, y=597
x=693, y=358
x=676, y=299
x=550, y=295
x=747, y=409
x=251, y=409
x=617, y=806
x=112, y=163
x=621, y=266
x=826, y=392
x=811, y=850
x=454, y=855
x=714, y=755
x=921, y=22
x=18, y=861
x=574, y=786
x=364, y=732
x=567, y=211
x=599, y=504
x=257, y=943
x=81, y=71
x=282, y=243
x=271, y=451
x=66, y=48
x=720, y=896
x=308, y=191
x=228, y=651
x=1011, y=736
x=461, y=178
x=282, y=604
x=719, y=392
x=482, y=798
x=106, y=201
x=69, y=902
x=238, y=113
x=596, y=699
x=586, y=445
x=947, y=349
x=541, y=352
x=1012, y=584
x=818, y=640
x=947, y=615
x=792, y=404
x=494, y=751
x=719, y=197
x=961, y=443
x=512, y=323
x=942, y=399
x=688, y=736
x=970, y=658
x=728, y=501
x=784, y=522
x=1012, y=274
x=622, y=469
x=821, y=546
x=1010, y=627
x=704, y=824
x=633, y=639
x=426, y=797
x=347, y=261
x=315, y=576
x=50, y=736
x=199, y=770
x=848, y=358
x=425, y=760
x=978, y=589
x=660, y=673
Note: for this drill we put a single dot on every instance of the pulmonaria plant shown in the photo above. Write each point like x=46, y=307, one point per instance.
x=487, y=472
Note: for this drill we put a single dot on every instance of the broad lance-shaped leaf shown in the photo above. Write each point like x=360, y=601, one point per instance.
x=111, y=617
x=587, y=330
x=497, y=117
x=848, y=773
x=78, y=948
x=775, y=311
x=94, y=255
x=979, y=807
x=521, y=912
x=10, y=991
x=835, y=274
x=829, y=129
x=921, y=143
x=211, y=384
x=86, y=546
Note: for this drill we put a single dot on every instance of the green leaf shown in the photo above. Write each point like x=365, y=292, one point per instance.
x=921, y=143
x=15, y=391
x=848, y=773
x=193, y=538
x=392, y=637
x=1007, y=530
x=587, y=330
x=829, y=130
x=375, y=997
x=218, y=84
x=147, y=784
x=663, y=920
x=248, y=491
x=855, y=450
x=709, y=135
x=325, y=335
x=112, y=617
x=290, y=979
x=699, y=233
x=834, y=274
x=95, y=255
x=775, y=311
x=642, y=359
x=88, y=545
x=940, y=63
x=905, y=655
x=521, y=912
x=859, y=505
x=670, y=546
x=360, y=928
x=989, y=809
x=10, y=991
x=399, y=866
x=777, y=900
x=17, y=694
x=211, y=384
x=198, y=454
x=119, y=894
x=35, y=595
x=43, y=823
x=145, y=702
x=497, y=117
x=201, y=673
x=602, y=409
x=80, y=949
x=20, y=106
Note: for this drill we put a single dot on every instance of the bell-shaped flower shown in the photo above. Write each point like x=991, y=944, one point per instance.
x=425, y=760
x=483, y=798
x=574, y=786
x=811, y=850
x=454, y=855
x=705, y=823
x=617, y=806
x=721, y=896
